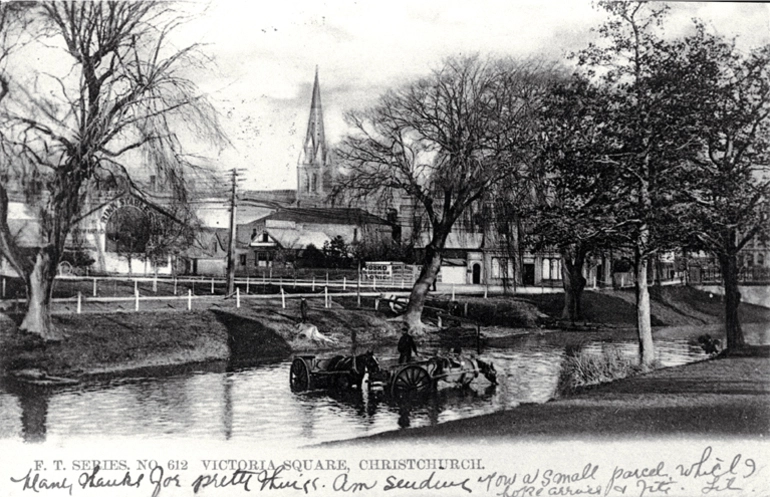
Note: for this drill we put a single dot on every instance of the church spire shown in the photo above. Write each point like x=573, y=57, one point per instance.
x=312, y=166
x=315, y=141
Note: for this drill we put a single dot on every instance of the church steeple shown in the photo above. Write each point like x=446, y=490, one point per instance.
x=315, y=141
x=311, y=167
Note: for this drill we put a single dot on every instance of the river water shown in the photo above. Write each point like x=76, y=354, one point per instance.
x=220, y=402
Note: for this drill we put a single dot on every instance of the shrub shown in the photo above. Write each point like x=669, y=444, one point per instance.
x=582, y=367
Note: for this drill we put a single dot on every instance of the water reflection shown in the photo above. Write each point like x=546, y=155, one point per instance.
x=255, y=403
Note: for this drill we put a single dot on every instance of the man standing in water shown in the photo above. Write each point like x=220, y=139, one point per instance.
x=406, y=346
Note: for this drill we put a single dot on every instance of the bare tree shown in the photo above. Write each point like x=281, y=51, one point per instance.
x=445, y=140
x=120, y=109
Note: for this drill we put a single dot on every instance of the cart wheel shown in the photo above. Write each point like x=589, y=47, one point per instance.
x=299, y=376
x=410, y=379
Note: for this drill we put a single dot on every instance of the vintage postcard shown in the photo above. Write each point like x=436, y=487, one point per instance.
x=489, y=248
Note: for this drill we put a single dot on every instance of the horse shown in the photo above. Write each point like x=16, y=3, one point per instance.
x=355, y=366
x=488, y=370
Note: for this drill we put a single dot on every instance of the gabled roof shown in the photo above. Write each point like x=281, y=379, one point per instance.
x=298, y=239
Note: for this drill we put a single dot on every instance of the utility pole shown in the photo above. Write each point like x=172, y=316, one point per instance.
x=231, y=247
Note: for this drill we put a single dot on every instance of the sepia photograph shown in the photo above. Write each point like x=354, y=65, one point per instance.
x=443, y=248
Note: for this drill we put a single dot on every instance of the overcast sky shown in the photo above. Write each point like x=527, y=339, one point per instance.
x=266, y=54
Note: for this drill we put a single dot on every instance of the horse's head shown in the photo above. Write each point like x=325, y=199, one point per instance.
x=370, y=362
x=488, y=370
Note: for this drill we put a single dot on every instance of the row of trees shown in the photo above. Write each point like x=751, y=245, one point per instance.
x=647, y=145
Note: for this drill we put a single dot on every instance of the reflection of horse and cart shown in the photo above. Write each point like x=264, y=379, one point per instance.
x=308, y=372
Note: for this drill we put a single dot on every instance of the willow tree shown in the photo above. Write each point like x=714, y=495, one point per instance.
x=444, y=140
x=110, y=103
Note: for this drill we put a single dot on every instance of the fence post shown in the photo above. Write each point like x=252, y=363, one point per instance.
x=136, y=300
x=486, y=290
x=155, y=283
x=358, y=289
x=3, y=287
x=402, y=282
x=94, y=288
x=175, y=285
x=237, y=297
x=374, y=283
x=212, y=286
x=327, y=278
x=295, y=281
x=453, y=292
x=465, y=310
x=326, y=297
x=312, y=289
x=189, y=299
x=283, y=299
x=247, y=283
x=376, y=304
x=136, y=286
x=344, y=283
x=80, y=298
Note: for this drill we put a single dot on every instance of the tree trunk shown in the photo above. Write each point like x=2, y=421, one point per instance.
x=574, y=283
x=734, y=333
x=428, y=274
x=643, y=322
x=38, y=317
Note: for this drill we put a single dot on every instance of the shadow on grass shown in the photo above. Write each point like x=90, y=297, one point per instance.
x=250, y=341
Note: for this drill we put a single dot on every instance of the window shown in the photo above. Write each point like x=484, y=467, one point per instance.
x=243, y=259
x=555, y=269
x=760, y=259
x=502, y=267
x=264, y=258
x=214, y=245
x=265, y=238
x=551, y=269
x=315, y=183
x=355, y=234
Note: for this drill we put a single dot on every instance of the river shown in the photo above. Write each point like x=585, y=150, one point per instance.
x=254, y=403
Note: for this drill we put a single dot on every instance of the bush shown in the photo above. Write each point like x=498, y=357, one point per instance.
x=582, y=367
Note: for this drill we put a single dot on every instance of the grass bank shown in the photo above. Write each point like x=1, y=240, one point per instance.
x=670, y=306
x=99, y=343
x=112, y=342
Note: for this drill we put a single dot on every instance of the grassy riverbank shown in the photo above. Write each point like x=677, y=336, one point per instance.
x=111, y=342
x=723, y=397
x=670, y=306
x=98, y=343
